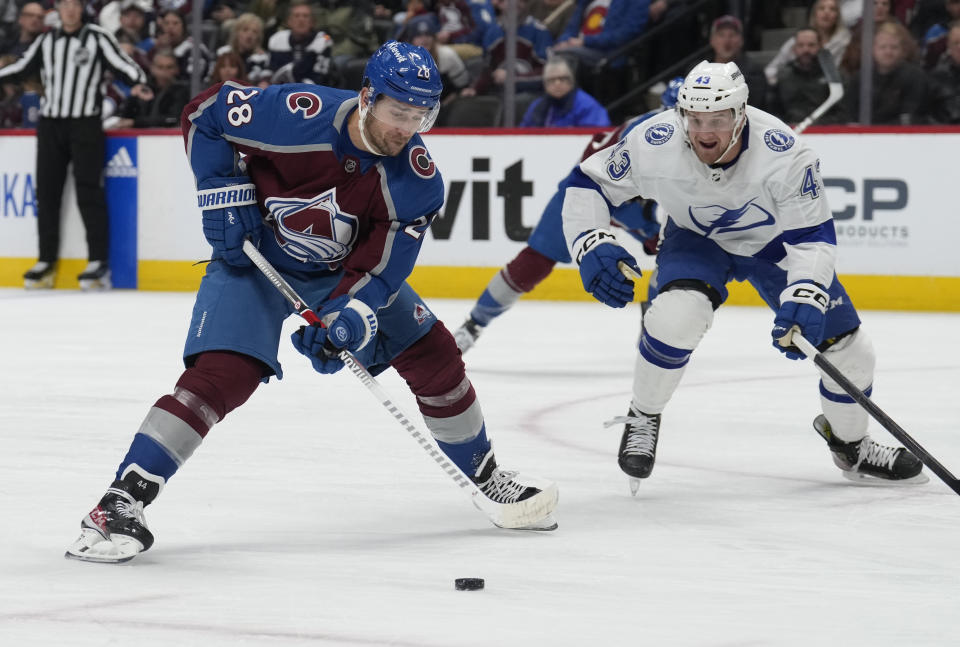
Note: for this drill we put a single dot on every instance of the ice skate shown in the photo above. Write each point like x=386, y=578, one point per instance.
x=868, y=462
x=115, y=531
x=95, y=276
x=466, y=335
x=514, y=501
x=40, y=276
x=638, y=445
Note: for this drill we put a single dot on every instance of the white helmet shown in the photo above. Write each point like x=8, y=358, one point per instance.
x=714, y=87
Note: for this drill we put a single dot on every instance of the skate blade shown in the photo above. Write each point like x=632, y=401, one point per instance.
x=867, y=480
x=95, y=285
x=634, y=485
x=546, y=524
x=91, y=546
x=45, y=283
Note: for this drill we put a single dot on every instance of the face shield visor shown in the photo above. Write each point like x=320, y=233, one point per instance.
x=709, y=122
x=406, y=118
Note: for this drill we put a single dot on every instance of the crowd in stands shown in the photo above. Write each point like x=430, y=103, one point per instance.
x=562, y=46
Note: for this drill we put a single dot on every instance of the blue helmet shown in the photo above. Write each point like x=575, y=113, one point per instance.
x=669, y=97
x=406, y=73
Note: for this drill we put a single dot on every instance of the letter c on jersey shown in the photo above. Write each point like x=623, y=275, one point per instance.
x=306, y=102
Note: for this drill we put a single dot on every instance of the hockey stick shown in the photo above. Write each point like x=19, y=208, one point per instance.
x=834, y=84
x=502, y=515
x=861, y=398
x=360, y=371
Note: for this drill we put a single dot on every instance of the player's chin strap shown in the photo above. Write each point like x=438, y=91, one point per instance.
x=794, y=337
x=364, y=111
x=737, y=131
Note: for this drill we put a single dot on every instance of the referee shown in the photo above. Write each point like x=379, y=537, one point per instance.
x=71, y=61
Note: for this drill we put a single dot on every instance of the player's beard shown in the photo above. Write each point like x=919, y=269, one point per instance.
x=387, y=141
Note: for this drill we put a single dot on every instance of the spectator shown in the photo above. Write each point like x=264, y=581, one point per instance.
x=350, y=25
x=422, y=31
x=229, y=66
x=944, y=84
x=825, y=18
x=133, y=23
x=726, y=41
x=160, y=103
x=172, y=34
x=11, y=110
x=554, y=14
x=459, y=28
x=533, y=39
x=246, y=40
x=594, y=30
x=935, y=39
x=850, y=63
x=802, y=85
x=563, y=103
x=300, y=53
x=29, y=26
x=899, y=86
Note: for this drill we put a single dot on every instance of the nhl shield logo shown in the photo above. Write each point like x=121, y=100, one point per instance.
x=313, y=230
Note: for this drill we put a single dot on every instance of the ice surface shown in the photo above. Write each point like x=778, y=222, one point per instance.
x=309, y=517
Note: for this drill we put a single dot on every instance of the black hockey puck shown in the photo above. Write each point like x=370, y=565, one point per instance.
x=468, y=583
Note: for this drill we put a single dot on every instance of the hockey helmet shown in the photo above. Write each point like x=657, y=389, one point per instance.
x=408, y=74
x=714, y=87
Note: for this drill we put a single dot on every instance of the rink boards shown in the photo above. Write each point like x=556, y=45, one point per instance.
x=897, y=220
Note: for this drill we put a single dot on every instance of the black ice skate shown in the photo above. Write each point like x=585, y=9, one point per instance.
x=867, y=461
x=514, y=501
x=638, y=445
x=466, y=335
x=115, y=530
x=40, y=276
x=95, y=276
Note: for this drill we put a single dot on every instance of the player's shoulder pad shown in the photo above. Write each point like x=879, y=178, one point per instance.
x=769, y=132
x=414, y=181
x=660, y=130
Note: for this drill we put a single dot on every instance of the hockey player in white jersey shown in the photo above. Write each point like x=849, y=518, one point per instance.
x=745, y=202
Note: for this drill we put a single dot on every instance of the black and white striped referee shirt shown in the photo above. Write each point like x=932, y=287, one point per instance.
x=71, y=68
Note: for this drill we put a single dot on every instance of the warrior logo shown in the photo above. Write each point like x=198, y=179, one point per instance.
x=313, y=230
x=715, y=219
x=421, y=163
x=306, y=102
x=659, y=134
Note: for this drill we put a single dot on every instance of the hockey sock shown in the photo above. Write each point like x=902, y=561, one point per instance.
x=520, y=276
x=150, y=456
x=468, y=456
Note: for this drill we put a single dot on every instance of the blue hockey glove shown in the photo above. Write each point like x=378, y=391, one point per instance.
x=230, y=214
x=598, y=254
x=350, y=324
x=802, y=304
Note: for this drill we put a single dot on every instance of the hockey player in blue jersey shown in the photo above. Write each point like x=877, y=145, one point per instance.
x=546, y=246
x=338, y=191
x=745, y=202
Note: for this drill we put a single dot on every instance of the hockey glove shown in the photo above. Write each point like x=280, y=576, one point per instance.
x=230, y=214
x=598, y=254
x=347, y=324
x=802, y=304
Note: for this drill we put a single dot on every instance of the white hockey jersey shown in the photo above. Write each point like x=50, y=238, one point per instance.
x=768, y=203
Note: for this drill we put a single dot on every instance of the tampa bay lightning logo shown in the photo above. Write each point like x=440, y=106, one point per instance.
x=659, y=134
x=778, y=140
x=715, y=219
x=313, y=230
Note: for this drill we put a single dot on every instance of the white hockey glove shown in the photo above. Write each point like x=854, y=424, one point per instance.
x=802, y=304
x=230, y=214
x=599, y=255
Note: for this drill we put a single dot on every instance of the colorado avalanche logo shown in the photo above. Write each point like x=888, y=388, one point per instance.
x=778, y=140
x=716, y=219
x=421, y=163
x=313, y=230
x=306, y=102
x=659, y=134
